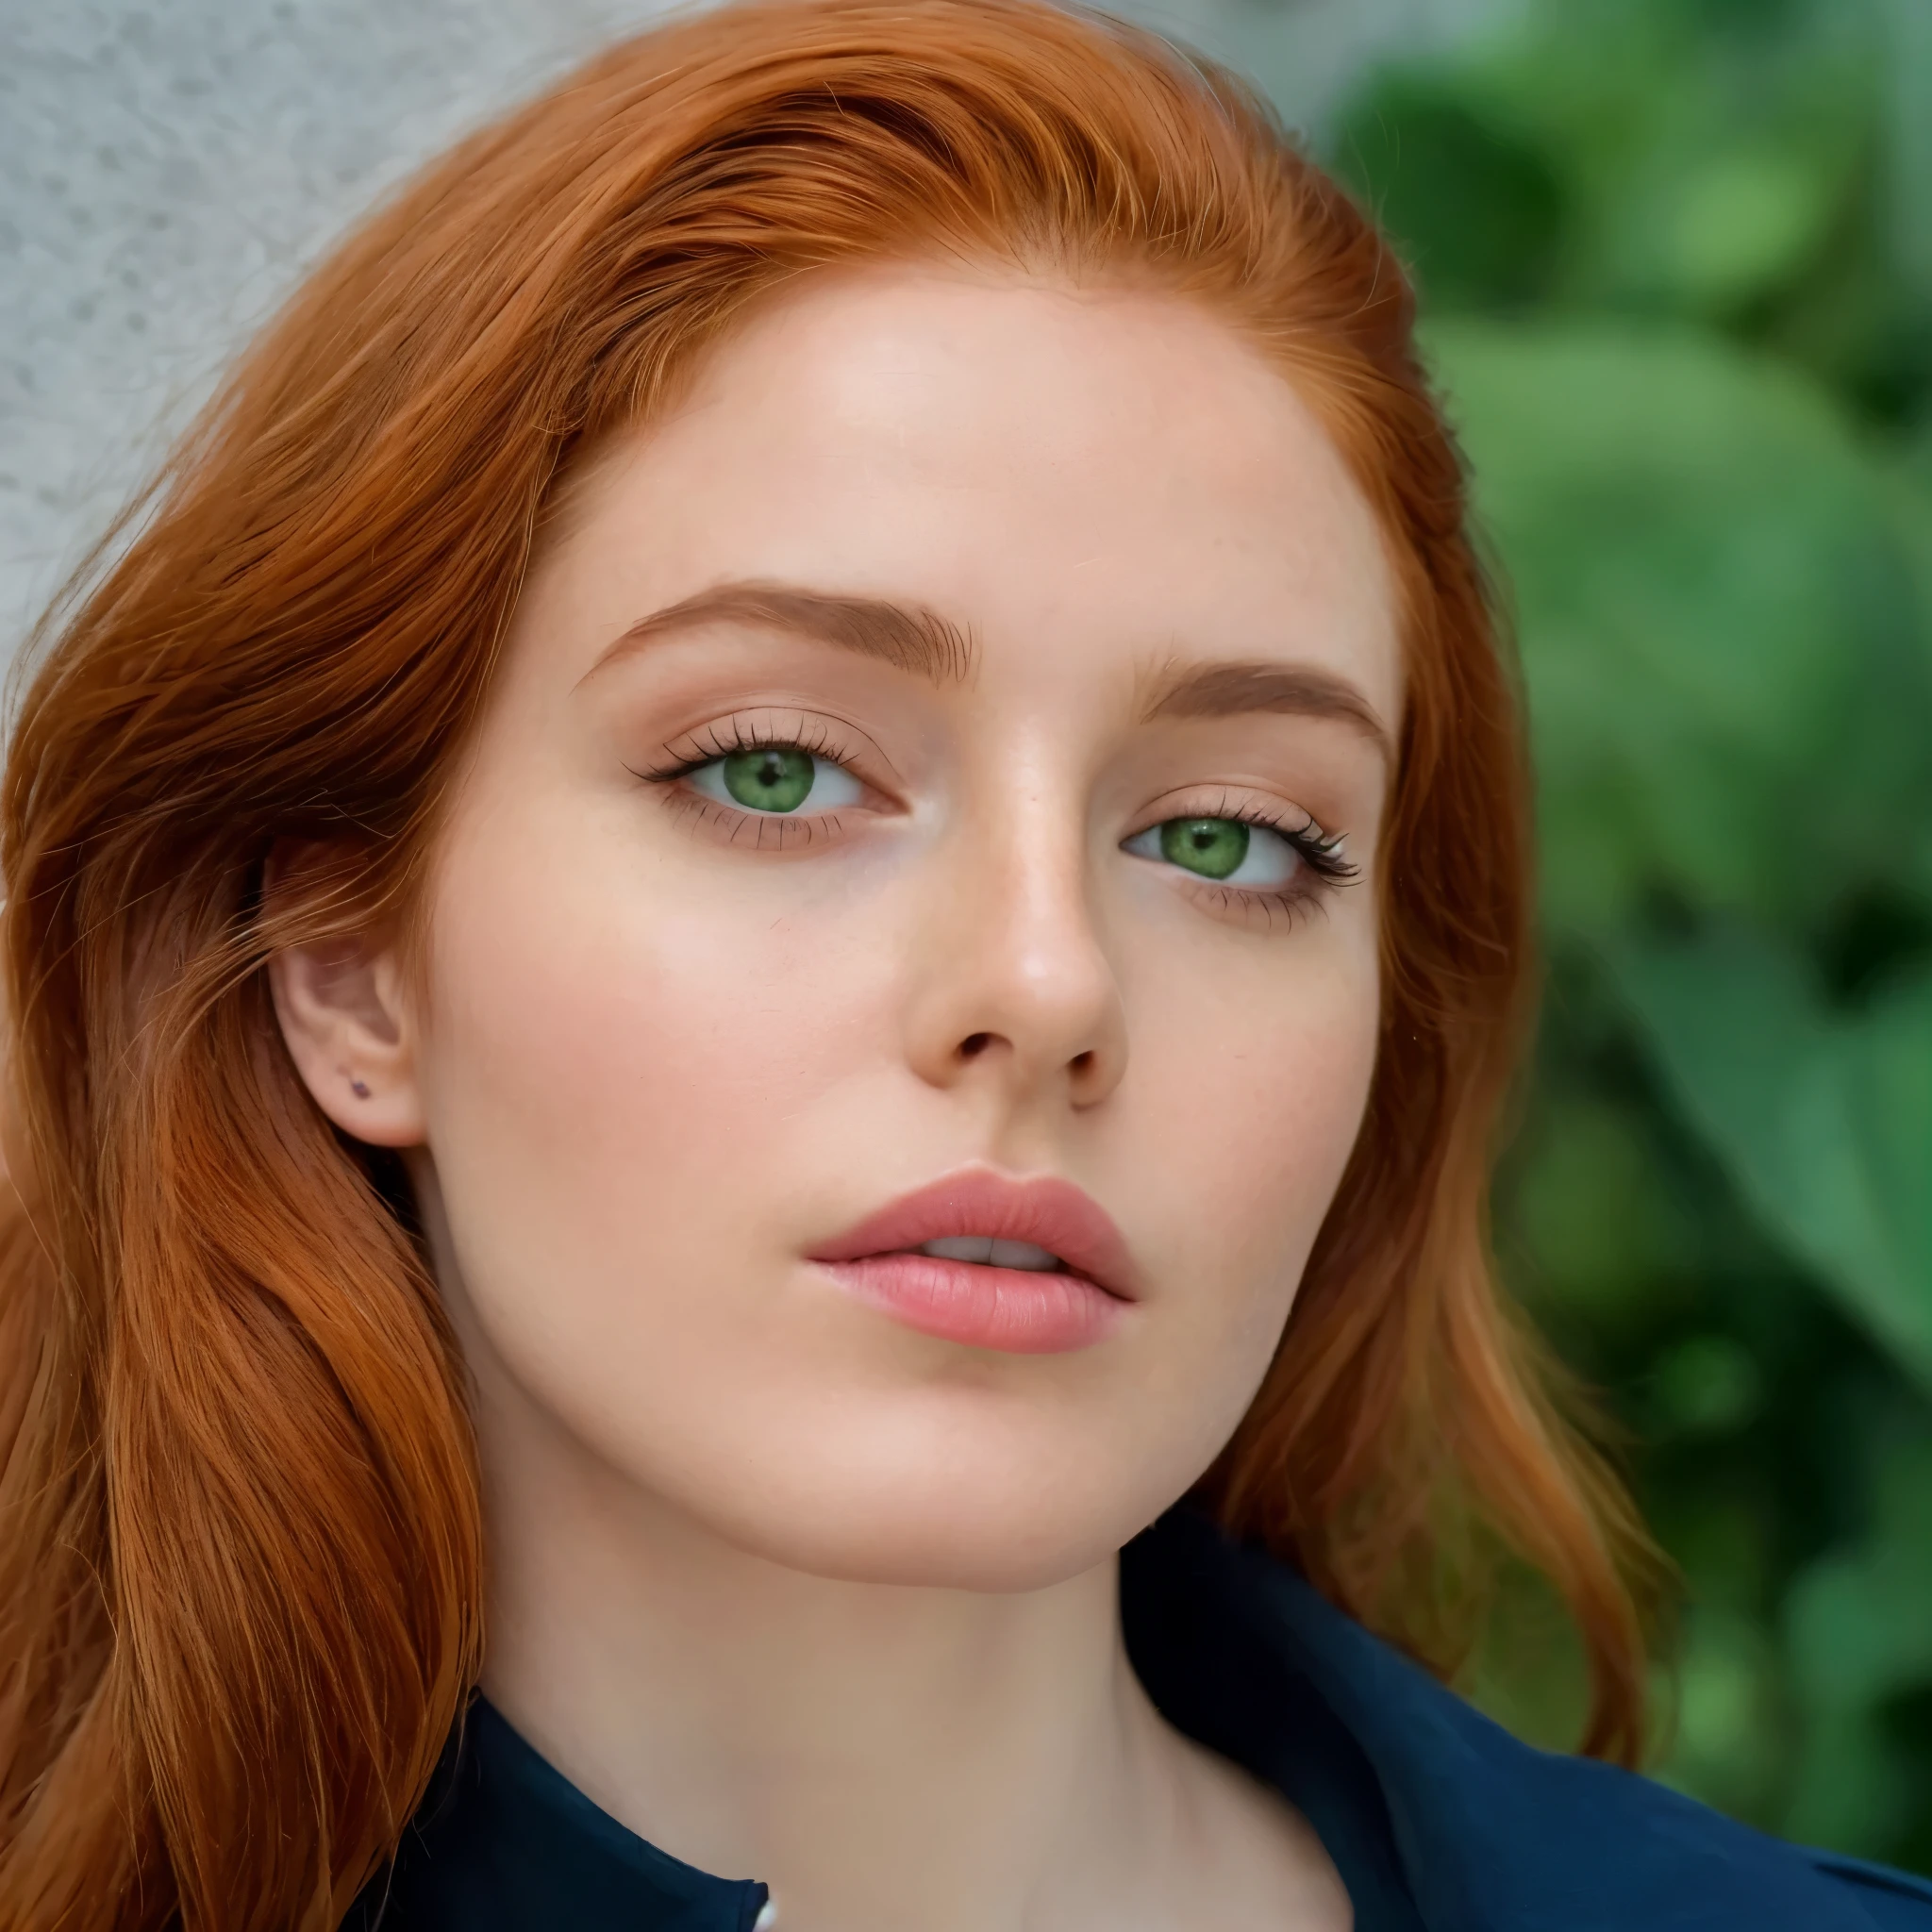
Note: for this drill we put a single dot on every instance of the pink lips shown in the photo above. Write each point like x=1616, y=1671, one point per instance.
x=1014, y=1309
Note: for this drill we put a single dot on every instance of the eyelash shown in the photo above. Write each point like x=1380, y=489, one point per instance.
x=732, y=734
x=1320, y=852
x=722, y=741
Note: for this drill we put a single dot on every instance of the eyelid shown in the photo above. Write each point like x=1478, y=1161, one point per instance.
x=1250, y=805
x=751, y=726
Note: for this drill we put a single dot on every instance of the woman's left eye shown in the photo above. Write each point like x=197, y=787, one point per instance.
x=776, y=780
x=1230, y=852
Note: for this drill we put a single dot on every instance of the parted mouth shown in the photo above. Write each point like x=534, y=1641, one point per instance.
x=984, y=1251
x=1034, y=1224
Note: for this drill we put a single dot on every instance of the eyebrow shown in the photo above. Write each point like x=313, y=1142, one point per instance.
x=1229, y=690
x=909, y=636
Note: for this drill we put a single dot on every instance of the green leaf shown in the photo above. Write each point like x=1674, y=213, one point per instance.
x=1591, y=1222
x=1908, y=130
x=1911, y=500
x=1709, y=154
x=1823, y=1120
x=1472, y=203
x=1730, y=226
x=1725, y=1742
x=1719, y=623
x=1859, y=1635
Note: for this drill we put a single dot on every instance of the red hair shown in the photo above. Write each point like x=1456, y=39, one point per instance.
x=240, y=1545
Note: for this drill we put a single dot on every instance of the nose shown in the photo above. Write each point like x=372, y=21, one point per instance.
x=1011, y=984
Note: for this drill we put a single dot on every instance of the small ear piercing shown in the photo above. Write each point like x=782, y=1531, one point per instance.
x=359, y=1087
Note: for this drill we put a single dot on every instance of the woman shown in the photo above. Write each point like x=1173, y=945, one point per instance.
x=784, y=894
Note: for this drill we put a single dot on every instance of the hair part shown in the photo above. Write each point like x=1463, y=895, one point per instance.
x=240, y=1548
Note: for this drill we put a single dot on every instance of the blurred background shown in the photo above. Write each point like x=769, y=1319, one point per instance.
x=1676, y=258
x=1676, y=266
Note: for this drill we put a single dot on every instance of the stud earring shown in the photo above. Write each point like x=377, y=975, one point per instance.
x=359, y=1087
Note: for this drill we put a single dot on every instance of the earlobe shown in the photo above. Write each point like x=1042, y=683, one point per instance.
x=344, y=1018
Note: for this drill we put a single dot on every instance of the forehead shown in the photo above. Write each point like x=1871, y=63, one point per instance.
x=1115, y=469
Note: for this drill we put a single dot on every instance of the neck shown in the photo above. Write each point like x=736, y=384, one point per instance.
x=858, y=1746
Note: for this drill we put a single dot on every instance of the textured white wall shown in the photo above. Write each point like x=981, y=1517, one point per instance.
x=168, y=166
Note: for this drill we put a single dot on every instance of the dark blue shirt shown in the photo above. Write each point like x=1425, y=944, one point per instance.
x=1437, y=1820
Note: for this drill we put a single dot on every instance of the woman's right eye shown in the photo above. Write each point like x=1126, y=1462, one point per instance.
x=775, y=780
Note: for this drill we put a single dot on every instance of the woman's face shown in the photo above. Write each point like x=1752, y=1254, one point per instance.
x=949, y=748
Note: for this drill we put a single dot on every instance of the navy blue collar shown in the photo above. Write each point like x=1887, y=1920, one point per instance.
x=1437, y=1820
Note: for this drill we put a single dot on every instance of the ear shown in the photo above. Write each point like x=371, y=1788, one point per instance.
x=346, y=1018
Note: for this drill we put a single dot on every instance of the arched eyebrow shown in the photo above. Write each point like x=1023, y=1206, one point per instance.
x=1228, y=690
x=909, y=636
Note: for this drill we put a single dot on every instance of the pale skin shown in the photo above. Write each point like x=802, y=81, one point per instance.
x=792, y=1590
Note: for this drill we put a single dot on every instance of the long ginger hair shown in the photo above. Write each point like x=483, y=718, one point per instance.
x=241, y=1551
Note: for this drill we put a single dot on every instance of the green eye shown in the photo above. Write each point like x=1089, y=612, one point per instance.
x=774, y=777
x=1228, y=851
x=1212, y=847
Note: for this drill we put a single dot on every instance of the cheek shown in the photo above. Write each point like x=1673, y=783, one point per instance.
x=1249, y=1091
x=616, y=1061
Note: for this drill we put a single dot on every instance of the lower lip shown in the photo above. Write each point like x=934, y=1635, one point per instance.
x=1013, y=1309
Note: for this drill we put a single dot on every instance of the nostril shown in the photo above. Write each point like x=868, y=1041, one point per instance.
x=974, y=1045
x=1081, y=1062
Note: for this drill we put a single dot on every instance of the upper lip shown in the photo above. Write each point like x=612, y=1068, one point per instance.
x=1042, y=1209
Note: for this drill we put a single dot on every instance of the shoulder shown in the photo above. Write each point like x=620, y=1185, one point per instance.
x=1893, y=1901
x=1490, y=1834
x=1505, y=1836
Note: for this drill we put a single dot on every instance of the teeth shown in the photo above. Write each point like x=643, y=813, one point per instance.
x=988, y=1252
x=1022, y=1254
x=960, y=1247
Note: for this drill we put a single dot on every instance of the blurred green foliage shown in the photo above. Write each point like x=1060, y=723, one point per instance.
x=1676, y=258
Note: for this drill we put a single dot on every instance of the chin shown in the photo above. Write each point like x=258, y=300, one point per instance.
x=918, y=1548
x=959, y=1522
